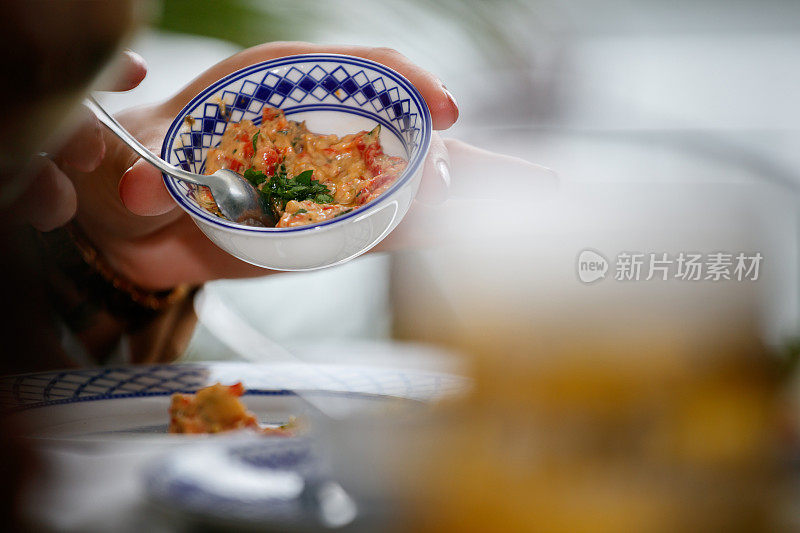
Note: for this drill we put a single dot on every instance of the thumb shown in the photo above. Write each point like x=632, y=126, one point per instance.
x=142, y=190
x=435, y=185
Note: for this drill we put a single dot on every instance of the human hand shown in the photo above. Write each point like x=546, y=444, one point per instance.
x=126, y=212
x=471, y=199
x=43, y=195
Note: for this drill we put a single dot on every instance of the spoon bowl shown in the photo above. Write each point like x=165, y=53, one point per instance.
x=238, y=200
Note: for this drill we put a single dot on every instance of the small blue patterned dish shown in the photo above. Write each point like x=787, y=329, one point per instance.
x=333, y=94
x=249, y=483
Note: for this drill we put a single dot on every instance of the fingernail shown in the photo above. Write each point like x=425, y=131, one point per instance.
x=134, y=55
x=451, y=98
x=444, y=172
x=140, y=62
x=121, y=180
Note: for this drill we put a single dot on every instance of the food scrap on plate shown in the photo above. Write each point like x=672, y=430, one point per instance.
x=217, y=409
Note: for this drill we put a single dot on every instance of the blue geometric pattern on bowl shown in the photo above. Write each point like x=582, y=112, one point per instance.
x=319, y=82
x=245, y=100
x=53, y=388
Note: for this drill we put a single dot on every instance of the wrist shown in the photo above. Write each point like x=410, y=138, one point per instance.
x=95, y=302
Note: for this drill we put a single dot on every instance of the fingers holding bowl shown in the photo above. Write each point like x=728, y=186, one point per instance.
x=125, y=73
x=84, y=148
x=475, y=168
x=142, y=190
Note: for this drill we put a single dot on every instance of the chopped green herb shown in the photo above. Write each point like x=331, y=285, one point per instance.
x=255, y=139
x=299, y=212
x=304, y=177
x=255, y=177
x=279, y=189
x=234, y=150
x=343, y=212
x=323, y=199
x=284, y=132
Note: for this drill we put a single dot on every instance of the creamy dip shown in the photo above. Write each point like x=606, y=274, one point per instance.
x=345, y=172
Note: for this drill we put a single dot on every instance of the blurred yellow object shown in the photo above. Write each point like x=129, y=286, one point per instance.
x=599, y=441
x=646, y=407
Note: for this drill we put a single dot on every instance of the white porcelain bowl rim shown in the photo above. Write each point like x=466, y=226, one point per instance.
x=413, y=165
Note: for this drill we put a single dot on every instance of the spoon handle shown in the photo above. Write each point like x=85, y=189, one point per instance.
x=117, y=128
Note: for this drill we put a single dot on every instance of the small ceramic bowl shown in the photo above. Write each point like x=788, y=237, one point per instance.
x=333, y=94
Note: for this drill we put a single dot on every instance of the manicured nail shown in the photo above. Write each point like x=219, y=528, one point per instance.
x=451, y=98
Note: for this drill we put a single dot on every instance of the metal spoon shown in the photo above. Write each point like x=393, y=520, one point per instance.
x=235, y=197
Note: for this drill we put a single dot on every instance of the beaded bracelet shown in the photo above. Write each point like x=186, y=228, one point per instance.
x=84, y=283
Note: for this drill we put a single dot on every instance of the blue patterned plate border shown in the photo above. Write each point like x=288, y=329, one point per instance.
x=27, y=391
x=405, y=114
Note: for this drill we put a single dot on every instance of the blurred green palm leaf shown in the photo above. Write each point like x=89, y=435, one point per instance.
x=242, y=22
